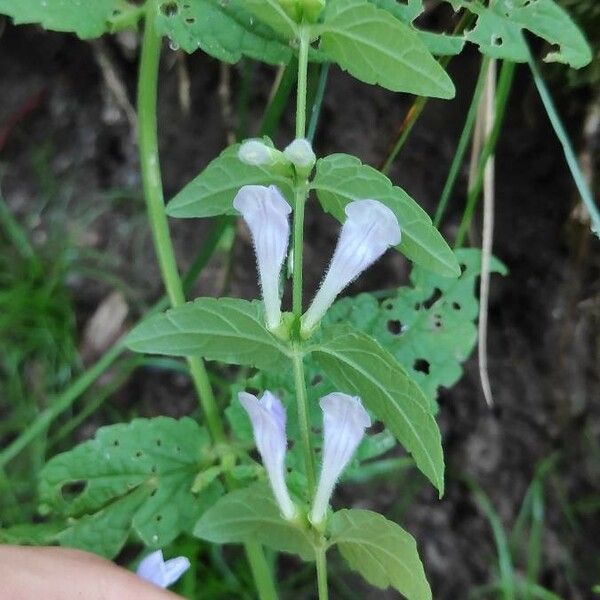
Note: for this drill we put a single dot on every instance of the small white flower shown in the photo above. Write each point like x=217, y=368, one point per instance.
x=268, y=424
x=267, y=214
x=163, y=573
x=300, y=154
x=256, y=153
x=344, y=424
x=370, y=229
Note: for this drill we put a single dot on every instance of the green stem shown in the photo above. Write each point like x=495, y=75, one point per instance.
x=503, y=91
x=318, y=103
x=153, y=193
x=322, y=574
x=302, y=78
x=463, y=143
x=303, y=422
x=298, y=247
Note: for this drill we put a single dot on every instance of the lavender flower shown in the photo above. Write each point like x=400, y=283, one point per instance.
x=163, y=573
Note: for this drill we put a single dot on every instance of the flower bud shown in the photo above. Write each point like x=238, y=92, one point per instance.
x=370, y=229
x=301, y=155
x=268, y=425
x=256, y=153
x=344, y=424
x=266, y=213
x=163, y=573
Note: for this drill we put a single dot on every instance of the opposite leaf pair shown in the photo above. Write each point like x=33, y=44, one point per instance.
x=344, y=424
x=369, y=230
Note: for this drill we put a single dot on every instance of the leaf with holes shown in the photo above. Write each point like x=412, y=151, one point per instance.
x=225, y=30
x=212, y=192
x=364, y=41
x=381, y=551
x=130, y=477
x=252, y=515
x=357, y=364
x=84, y=18
x=498, y=31
x=428, y=327
x=225, y=329
x=341, y=178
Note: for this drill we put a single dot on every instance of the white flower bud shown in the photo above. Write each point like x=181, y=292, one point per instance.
x=163, y=573
x=344, y=424
x=267, y=215
x=370, y=229
x=256, y=153
x=300, y=154
x=268, y=424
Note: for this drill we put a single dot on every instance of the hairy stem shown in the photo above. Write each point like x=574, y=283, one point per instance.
x=322, y=574
x=153, y=193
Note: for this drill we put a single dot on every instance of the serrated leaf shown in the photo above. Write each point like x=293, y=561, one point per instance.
x=225, y=30
x=341, y=178
x=40, y=534
x=135, y=476
x=359, y=365
x=429, y=327
x=84, y=18
x=381, y=551
x=212, y=192
x=364, y=41
x=226, y=329
x=252, y=515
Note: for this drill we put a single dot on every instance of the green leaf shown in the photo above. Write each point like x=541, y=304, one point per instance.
x=87, y=19
x=135, y=476
x=358, y=365
x=252, y=515
x=364, y=41
x=498, y=31
x=381, y=551
x=225, y=329
x=40, y=534
x=429, y=327
x=225, y=30
x=212, y=192
x=272, y=13
x=341, y=178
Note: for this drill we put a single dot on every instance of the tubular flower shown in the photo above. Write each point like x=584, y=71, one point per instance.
x=370, y=229
x=256, y=153
x=268, y=418
x=344, y=424
x=266, y=213
x=163, y=573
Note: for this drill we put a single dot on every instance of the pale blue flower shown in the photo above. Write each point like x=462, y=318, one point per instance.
x=267, y=215
x=163, y=573
x=268, y=418
x=344, y=424
x=369, y=230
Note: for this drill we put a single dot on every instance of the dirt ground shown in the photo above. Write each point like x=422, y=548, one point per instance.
x=544, y=346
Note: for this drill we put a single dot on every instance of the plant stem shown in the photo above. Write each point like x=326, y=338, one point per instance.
x=153, y=193
x=322, y=574
x=303, y=422
x=318, y=103
x=298, y=247
x=302, y=78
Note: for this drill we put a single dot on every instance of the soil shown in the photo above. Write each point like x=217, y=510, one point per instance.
x=544, y=349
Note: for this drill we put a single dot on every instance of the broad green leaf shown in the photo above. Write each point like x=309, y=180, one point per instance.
x=359, y=365
x=341, y=178
x=225, y=329
x=87, y=19
x=364, y=41
x=135, y=476
x=428, y=327
x=223, y=29
x=212, y=192
x=40, y=534
x=252, y=515
x=381, y=551
x=273, y=14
